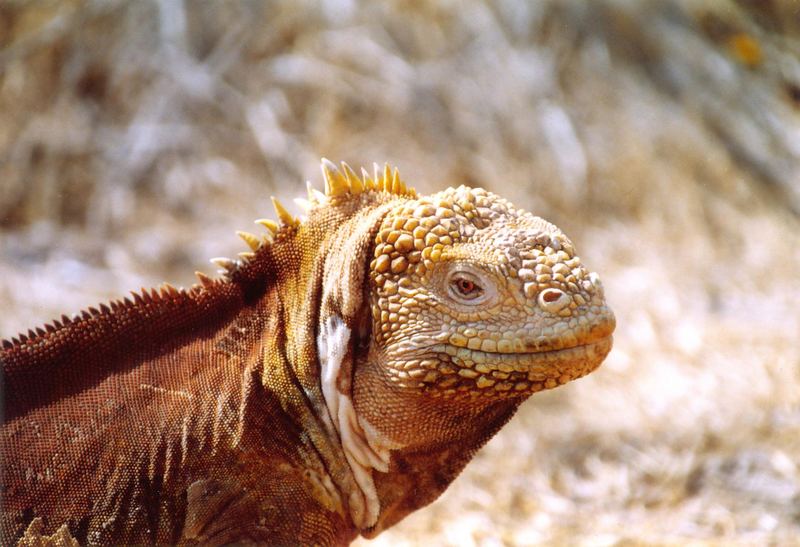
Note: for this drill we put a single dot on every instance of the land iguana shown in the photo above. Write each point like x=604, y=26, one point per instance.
x=334, y=379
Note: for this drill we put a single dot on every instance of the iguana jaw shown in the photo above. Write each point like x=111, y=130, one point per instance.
x=444, y=370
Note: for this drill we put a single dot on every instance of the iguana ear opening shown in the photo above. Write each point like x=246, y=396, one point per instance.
x=344, y=327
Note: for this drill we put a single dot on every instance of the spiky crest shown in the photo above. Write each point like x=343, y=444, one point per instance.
x=340, y=182
x=252, y=240
x=283, y=215
x=270, y=225
x=205, y=281
x=165, y=292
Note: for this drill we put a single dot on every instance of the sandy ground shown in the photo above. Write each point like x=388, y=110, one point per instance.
x=662, y=137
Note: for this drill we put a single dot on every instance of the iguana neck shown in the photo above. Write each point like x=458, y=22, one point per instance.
x=169, y=349
x=326, y=260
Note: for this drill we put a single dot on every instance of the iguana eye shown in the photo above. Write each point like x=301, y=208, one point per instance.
x=464, y=287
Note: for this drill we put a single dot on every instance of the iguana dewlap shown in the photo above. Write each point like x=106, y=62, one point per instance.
x=336, y=378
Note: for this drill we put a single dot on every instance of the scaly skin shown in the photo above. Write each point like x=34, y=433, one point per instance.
x=337, y=377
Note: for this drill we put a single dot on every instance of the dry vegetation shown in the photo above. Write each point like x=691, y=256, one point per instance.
x=135, y=137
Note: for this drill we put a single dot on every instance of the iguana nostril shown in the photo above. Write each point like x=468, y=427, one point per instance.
x=551, y=295
x=553, y=300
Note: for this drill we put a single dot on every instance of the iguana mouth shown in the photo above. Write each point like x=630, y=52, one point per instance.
x=529, y=371
x=449, y=369
x=524, y=361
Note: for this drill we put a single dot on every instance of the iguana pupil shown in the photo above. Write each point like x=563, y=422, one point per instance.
x=466, y=287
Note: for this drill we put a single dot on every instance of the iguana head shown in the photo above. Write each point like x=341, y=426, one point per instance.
x=473, y=298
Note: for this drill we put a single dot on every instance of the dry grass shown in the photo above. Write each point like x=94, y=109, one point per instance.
x=136, y=136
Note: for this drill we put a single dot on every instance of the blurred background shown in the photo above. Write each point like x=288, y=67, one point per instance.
x=663, y=137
